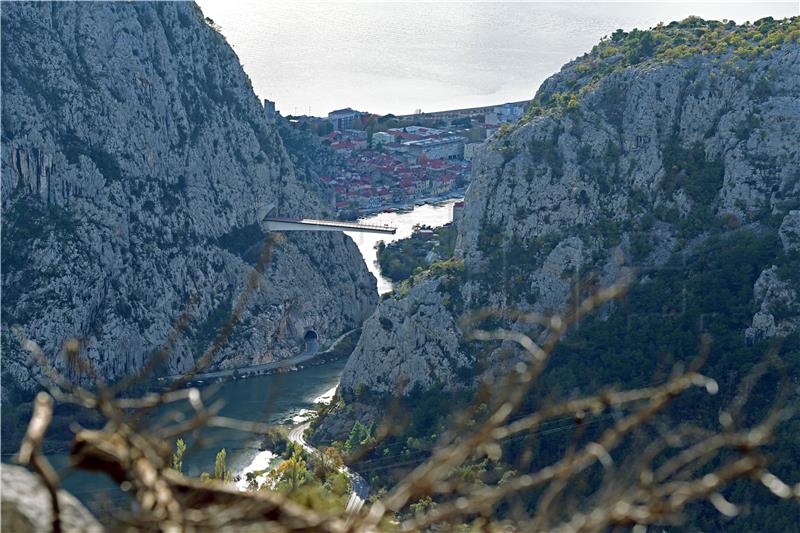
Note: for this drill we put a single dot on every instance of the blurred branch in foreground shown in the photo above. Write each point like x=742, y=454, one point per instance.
x=648, y=484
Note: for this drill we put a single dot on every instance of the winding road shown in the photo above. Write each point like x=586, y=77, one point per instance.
x=358, y=483
x=310, y=351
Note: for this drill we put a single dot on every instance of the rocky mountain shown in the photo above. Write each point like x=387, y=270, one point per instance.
x=656, y=153
x=136, y=158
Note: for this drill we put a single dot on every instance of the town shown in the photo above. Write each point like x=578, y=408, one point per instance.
x=393, y=161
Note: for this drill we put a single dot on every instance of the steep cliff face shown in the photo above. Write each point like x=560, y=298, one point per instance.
x=632, y=155
x=411, y=343
x=136, y=157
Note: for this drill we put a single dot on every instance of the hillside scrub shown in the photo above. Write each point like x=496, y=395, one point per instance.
x=692, y=38
x=399, y=260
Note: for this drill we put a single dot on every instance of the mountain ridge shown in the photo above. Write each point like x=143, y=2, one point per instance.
x=136, y=158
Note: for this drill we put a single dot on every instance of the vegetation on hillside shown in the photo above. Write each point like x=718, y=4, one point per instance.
x=734, y=45
x=656, y=328
x=399, y=260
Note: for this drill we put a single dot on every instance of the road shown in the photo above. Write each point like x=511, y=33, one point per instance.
x=358, y=483
x=311, y=350
x=312, y=346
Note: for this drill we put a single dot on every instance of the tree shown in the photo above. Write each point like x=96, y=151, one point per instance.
x=338, y=484
x=221, y=471
x=177, y=457
x=359, y=436
x=327, y=463
x=618, y=35
x=292, y=472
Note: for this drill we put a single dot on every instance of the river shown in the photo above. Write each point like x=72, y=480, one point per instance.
x=433, y=215
x=279, y=398
x=275, y=398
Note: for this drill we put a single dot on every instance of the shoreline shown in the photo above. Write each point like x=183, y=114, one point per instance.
x=433, y=212
x=263, y=459
x=291, y=364
x=455, y=194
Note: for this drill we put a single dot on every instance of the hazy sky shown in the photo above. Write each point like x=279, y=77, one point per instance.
x=398, y=57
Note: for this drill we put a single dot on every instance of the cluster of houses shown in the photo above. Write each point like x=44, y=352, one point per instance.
x=396, y=166
x=403, y=164
x=371, y=179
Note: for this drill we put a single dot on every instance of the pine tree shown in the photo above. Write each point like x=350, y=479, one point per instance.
x=177, y=457
x=221, y=471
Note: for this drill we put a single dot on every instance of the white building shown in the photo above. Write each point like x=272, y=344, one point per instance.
x=382, y=137
x=421, y=131
x=356, y=135
x=444, y=148
x=343, y=119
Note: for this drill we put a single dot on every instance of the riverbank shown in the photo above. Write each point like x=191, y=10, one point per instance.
x=278, y=399
x=432, y=215
x=456, y=194
x=260, y=469
x=265, y=460
x=341, y=347
x=359, y=486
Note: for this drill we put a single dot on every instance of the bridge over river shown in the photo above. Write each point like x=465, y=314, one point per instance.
x=270, y=222
x=310, y=224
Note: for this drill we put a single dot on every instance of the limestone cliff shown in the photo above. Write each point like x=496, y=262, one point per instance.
x=411, y=343
x=135, y=159
x=631, y=155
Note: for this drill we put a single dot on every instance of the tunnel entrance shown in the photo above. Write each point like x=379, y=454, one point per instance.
x=310, y=340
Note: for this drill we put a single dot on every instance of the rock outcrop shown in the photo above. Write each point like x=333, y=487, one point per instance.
x=631, y=154
x=136, y=158
x=27, y=507
x=409, y=344
x=789, y=232
x=778, y=299
x=778, y=307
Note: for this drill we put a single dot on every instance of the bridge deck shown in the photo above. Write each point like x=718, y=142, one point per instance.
x=310, y=224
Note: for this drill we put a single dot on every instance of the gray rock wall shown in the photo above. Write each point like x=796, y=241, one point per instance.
x=608, y=187
x=408, y=344
x=135, y=159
